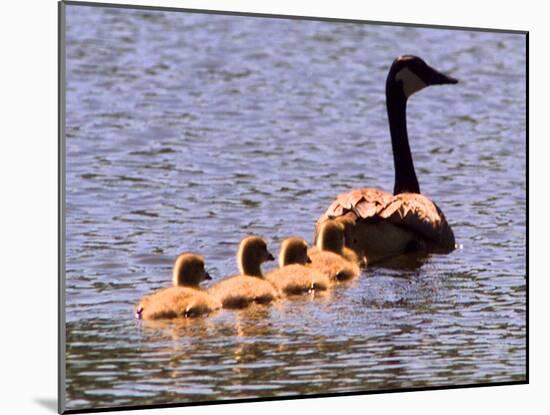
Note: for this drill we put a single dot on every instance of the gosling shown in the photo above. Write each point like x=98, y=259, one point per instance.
x=249, y=287
x=352, y=250
x=328, y=254
x=293, y=277
x=184, y=298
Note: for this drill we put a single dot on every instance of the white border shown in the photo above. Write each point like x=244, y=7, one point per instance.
x=29, y=202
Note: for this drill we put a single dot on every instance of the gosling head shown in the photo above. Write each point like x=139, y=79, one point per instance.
x=348, y=223
x=189, y=270
x=331, y=237
x=293, y=251
x=252, y=253
x=409, y=74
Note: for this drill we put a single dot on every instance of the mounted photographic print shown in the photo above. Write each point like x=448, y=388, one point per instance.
x=261, y=207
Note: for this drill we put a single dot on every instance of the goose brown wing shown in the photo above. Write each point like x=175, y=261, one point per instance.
x=363, y=203
x=419, y=214
x=357, y=204
x=412, y=211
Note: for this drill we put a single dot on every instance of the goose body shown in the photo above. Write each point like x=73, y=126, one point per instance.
x=328, y=254
x=384, y=224
x=184, y=298
x=294, y=277
x=249, y=287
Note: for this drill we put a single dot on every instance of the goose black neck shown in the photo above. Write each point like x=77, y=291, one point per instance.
x=405, y=176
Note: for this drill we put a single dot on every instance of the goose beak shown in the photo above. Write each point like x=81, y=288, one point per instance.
x=207, y=276
x=308, y=260
x=270, y=257
x=438, y=78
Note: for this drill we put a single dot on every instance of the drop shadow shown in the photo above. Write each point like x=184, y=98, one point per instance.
x=48, y=403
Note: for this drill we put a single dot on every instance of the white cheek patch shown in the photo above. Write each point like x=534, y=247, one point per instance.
x=411, y=82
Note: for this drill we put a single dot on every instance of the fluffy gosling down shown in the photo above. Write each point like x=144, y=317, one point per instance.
x=250, y=286
x=330, y=256
x=293, y=277
x=351, y=251
x=184, y=298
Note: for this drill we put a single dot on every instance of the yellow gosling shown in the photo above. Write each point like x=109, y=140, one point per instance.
x=328, y=254
x=184, y=298
x=293, y=277
x=250, y=286
x=352, y=250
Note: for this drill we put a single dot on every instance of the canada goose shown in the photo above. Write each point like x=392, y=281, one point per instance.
x=293, y=276
x=250, y=286
x=387, y=225
x=328, y=254
x=184, y=298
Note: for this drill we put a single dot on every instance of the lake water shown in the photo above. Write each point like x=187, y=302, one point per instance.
x=190, y=131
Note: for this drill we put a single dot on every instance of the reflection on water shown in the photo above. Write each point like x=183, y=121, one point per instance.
x=186, y=132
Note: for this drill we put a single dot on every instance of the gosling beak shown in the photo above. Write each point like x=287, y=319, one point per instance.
x=270, y=257
x=308, y=260
x=438, y=78
x=207, y=276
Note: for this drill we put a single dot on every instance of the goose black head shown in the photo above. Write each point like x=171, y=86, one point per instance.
x=409, y=74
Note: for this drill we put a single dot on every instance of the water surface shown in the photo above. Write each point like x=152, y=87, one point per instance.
x=189, y=131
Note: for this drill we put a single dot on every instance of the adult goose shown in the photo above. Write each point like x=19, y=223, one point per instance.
x=386, y=225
